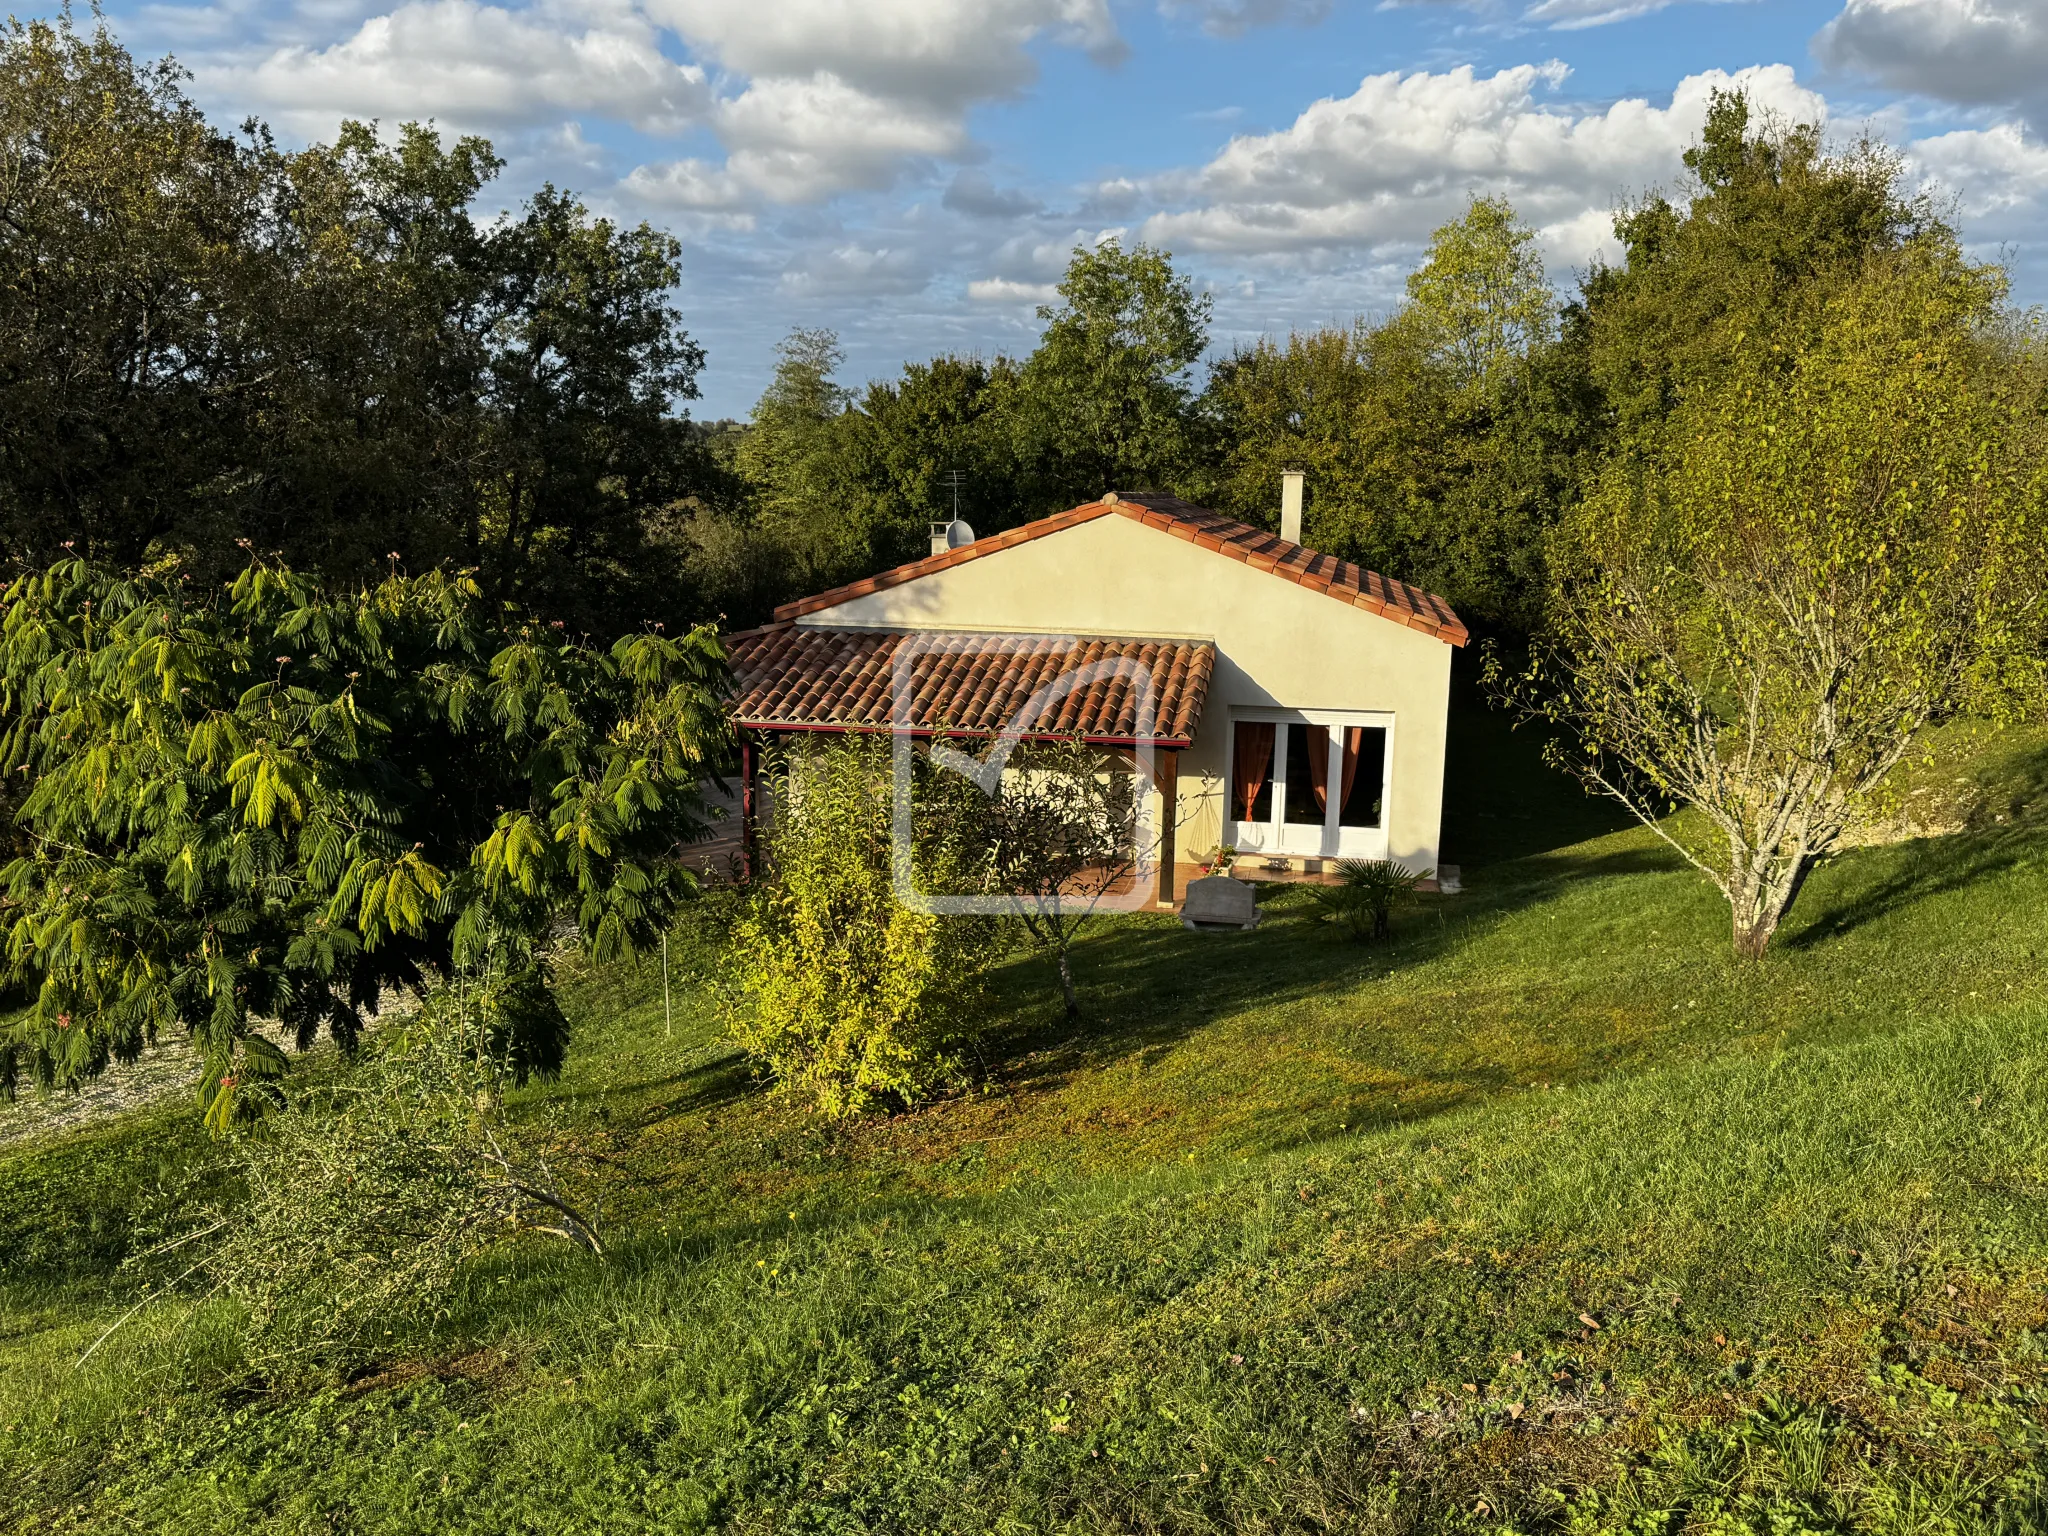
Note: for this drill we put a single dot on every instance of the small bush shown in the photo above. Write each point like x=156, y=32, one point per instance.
x=1363, y=901
x=848, y=998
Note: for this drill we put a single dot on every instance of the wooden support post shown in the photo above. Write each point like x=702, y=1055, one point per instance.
x=1168, y=774
x=750, y=772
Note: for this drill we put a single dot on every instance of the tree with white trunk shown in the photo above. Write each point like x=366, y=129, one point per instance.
x=1761, y=607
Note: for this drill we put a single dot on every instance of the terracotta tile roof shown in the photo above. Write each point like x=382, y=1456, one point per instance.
x=1264, y=551
x=791, y=678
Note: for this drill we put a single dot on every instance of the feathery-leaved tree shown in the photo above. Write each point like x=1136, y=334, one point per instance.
x=276, y=801
x=1823, y=552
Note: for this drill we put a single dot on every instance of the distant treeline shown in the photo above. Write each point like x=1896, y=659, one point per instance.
x=206, y=341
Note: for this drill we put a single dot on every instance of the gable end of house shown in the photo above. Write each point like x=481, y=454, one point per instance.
x=1224, y=536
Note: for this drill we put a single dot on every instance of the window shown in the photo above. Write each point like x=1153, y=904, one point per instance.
x=1314, y=786
x=1308, y=753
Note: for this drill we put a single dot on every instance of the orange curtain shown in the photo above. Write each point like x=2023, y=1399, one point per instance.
x=1354, y=739
x=1318, y=738
x=1254, y=761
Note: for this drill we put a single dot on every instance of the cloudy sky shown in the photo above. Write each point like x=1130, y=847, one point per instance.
x=914, y=173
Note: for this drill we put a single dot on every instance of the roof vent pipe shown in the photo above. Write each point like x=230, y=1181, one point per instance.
x=1290, y=505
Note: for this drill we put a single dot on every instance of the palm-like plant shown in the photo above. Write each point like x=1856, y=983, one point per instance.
x=1363, y=900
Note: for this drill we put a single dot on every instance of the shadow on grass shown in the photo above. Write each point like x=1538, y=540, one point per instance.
x=1509, y=817
x=1147, y=983
x=1502, y=801
x=710, y=1084
x=2009, y=833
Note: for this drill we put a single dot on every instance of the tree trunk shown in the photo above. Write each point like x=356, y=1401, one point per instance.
x=1067, y=985
x=1761, y=904
x=1753, y=937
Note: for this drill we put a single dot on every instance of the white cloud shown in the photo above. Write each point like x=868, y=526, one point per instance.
x=942, y=54
x=844, y=98
x=854, y=271
x=1116, y=198
x=693, y=185
x=1563, y=15
x=1003, y=290
x=975, y=195
x=818, y=97
x=1388, y=164
x=1977, y=52
x=477, y=65
x=1568, y=15
x=800, y=141
x=1997, y=176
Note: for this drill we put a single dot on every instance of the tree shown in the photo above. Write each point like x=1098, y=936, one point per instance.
x=584, y=361
x=939, y=436
x=847, y=996
x=280, y=800
x=1820, y=554
x=1439, y=445
x=205, y=339
x=1480, y=304
x=361, y=1202
x=1063, y=831
x=837, y=487
x=1105, y=402
x=130, y=268
x=1769, y=214
x=790, y=458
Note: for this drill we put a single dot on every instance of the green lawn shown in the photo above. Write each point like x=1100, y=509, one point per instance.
x=1545, y=1216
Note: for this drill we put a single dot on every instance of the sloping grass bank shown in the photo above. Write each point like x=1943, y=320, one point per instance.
x=1803, y=1289
x=1546, y=1216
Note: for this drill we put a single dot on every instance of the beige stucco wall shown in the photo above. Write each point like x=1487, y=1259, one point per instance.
x=1278, y=646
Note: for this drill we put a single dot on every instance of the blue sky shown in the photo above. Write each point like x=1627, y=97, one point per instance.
x=913, y=173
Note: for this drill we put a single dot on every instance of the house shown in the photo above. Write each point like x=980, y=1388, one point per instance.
x=1295, y=703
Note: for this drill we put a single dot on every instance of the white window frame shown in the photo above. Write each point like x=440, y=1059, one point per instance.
x=1276, y=837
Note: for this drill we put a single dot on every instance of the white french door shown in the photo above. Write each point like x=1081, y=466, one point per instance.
x=1309, y=783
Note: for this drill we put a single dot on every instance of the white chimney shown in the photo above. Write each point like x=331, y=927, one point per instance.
x=1290, y=505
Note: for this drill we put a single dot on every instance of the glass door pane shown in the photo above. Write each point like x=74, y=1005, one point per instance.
x=1362, y=775
x=1251, y=778
x=1308, y=752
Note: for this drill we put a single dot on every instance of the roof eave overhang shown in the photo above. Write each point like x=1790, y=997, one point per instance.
x=924, y=732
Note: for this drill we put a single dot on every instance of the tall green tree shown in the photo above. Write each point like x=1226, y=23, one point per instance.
x=839, y=486
x=939, y=439
x=791, y=458
x=205, y=339
x=1106, y=401
x=281, y=800
x=1438, y=444
x=1480, y=306
x=1768, y=215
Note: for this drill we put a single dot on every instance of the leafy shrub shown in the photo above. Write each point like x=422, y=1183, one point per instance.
x=365, y=1197
x=1363, y=901
x=848, y=998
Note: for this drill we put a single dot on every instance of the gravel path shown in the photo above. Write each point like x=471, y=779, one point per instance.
x=171, y=1068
